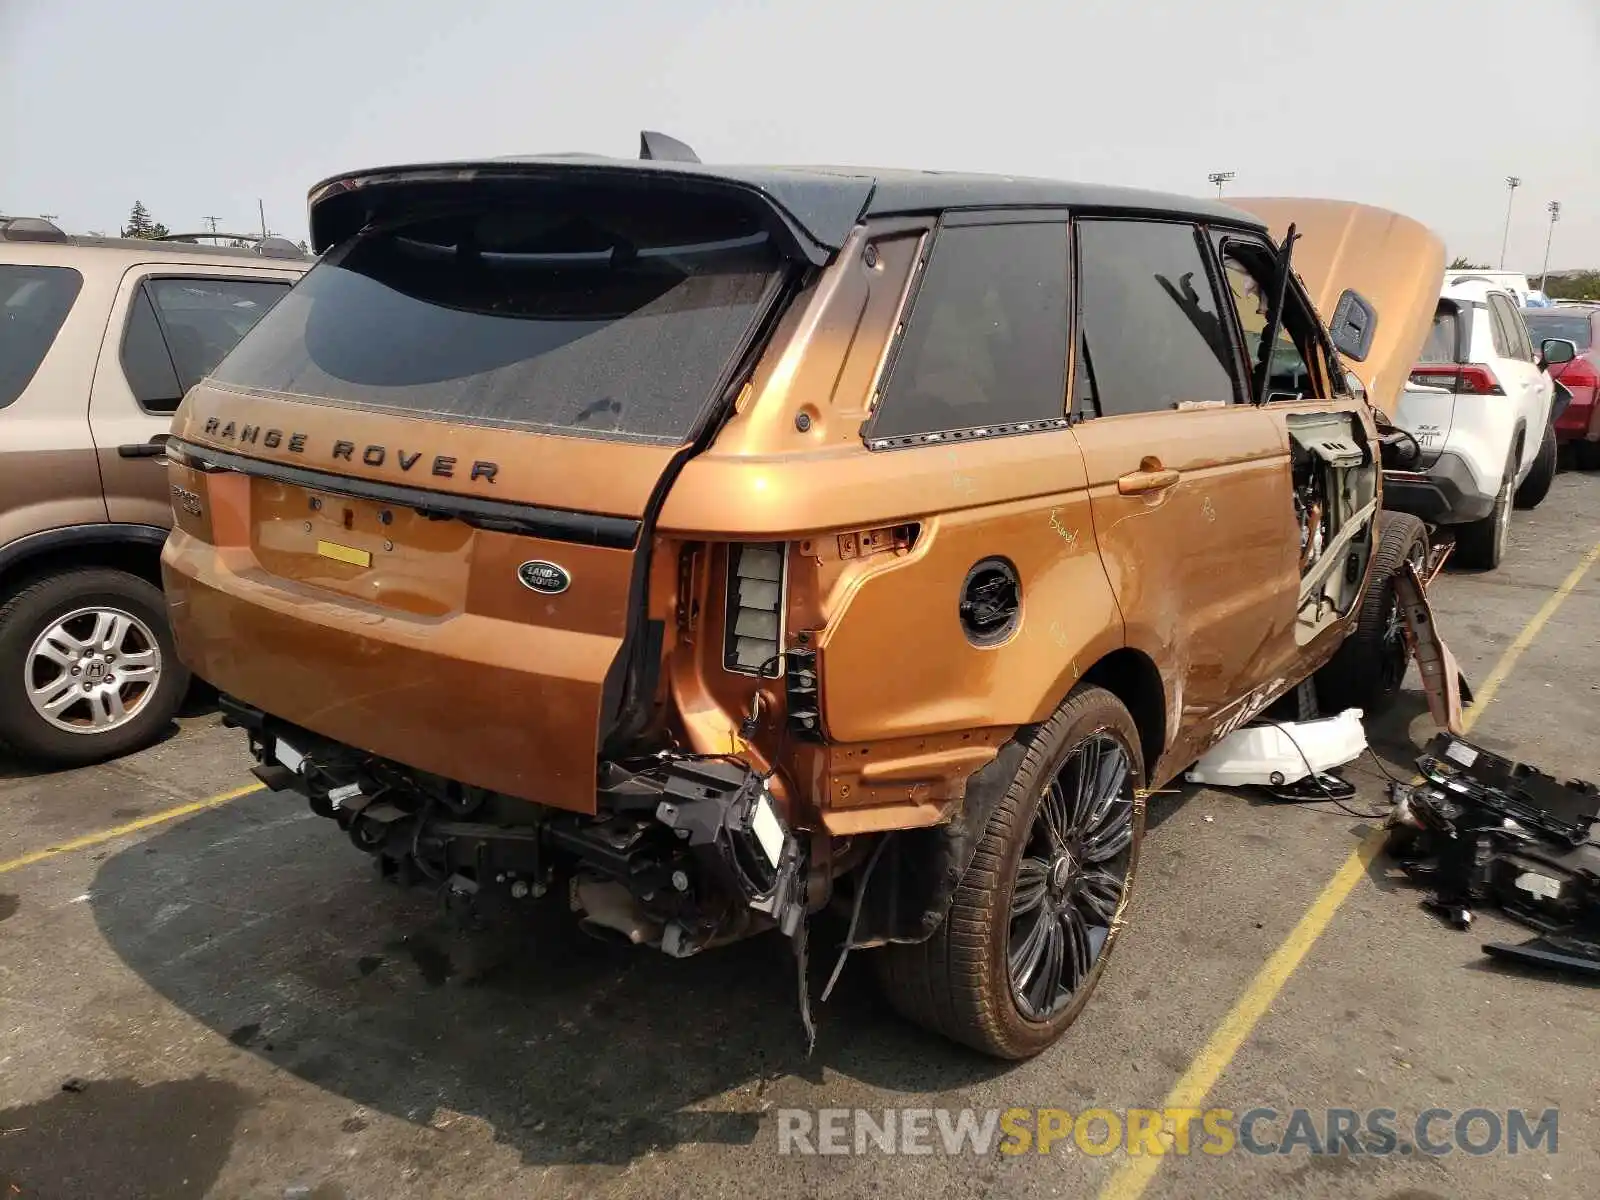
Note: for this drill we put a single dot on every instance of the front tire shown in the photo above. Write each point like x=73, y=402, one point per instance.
x=1367, y=669
x=88, y=668
x=1536, y=485
x=1034, y=920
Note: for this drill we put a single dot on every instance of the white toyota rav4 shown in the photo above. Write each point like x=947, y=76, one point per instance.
x=1479, y=407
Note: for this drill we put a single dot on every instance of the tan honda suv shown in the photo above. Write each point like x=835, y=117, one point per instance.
x=701, y=546
x=99, y=339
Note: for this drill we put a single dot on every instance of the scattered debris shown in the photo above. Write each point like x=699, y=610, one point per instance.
x=1480, y=829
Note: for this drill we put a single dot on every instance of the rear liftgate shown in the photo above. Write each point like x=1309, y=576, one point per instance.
x=679, y=852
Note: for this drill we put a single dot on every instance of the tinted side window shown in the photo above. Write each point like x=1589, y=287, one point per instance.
x=203, y=319
x=1516, y=332
x=145, y=360
x=987, y=339
x=1498, y=331
x=34, y=303
x=1151, y=320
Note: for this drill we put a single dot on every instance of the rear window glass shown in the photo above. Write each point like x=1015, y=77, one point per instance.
x=1442, y=339
x=34, y=303
x=1572, y=326
x=987, y=339
x=590, y=314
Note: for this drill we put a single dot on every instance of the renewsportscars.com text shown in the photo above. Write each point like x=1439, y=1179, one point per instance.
x=1376, y=1132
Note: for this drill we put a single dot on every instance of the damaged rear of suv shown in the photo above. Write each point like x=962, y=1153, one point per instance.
x=706, y=546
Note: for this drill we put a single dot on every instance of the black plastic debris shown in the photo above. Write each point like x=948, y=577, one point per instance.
x=1516, y=790
x=1574, y=953
x=1481, y=830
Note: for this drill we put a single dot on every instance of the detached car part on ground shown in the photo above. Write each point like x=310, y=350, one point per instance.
x=1481, y=829
x=702, y=547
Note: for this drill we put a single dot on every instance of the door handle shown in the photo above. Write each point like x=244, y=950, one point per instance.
x=1150, y=477
x=154, y=448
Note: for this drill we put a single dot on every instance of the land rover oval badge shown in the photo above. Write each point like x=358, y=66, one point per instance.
x=544, y=577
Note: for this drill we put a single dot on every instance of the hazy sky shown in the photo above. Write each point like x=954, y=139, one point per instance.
x=1423, y=106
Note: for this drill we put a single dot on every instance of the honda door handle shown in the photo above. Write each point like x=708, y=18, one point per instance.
x=154, y=448
x=1147, y=479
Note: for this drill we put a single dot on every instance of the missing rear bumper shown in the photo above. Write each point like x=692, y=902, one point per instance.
x=682, y=853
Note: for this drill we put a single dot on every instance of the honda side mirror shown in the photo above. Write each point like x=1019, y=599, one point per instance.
x=1354, y=323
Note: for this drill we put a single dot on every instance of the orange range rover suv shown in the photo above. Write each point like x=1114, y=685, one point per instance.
x=702, y=546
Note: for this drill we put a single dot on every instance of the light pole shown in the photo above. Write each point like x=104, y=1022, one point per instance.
x=1555, y=215
x=1512, y=184
x=1219, y=178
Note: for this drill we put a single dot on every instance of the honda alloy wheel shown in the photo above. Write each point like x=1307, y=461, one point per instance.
x=1034, y=920
x=88, y=670
x=92, y=670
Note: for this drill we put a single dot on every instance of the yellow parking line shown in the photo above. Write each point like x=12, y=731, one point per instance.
x=116, y=831
x=1136, y=1172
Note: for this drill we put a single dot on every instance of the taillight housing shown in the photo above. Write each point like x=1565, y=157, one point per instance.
x=1464, y=379
x=752, y=642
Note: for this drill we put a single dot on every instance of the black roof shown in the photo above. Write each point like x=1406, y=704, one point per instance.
x=820, y=202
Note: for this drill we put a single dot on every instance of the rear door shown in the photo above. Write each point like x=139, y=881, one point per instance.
x=169, y=326
x=437, y=456
x=1524, y=382
x=1189, y=486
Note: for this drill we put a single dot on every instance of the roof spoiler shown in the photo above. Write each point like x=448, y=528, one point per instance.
x=341, y=207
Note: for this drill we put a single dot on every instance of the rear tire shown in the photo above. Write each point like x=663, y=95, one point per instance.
x=1586, y=456
x=1482, y=544
x=1060, y=899
x=53, y=642
x=1366, y=671
x=1536, y=486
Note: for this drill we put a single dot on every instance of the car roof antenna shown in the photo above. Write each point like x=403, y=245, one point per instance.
x=668, y=149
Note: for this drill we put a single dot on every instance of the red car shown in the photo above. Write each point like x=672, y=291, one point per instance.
x=1580, y=423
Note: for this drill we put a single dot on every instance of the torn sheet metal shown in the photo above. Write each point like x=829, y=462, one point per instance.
x=1442, y=680
x=1281, y=753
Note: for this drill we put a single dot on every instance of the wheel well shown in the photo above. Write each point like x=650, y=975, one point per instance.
x=135, y=557
x=1131, y=676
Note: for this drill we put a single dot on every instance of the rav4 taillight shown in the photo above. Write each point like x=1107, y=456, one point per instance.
x=1466, y=379
x=1579, y=372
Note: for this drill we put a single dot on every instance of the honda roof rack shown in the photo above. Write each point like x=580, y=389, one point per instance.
x=30, y=229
